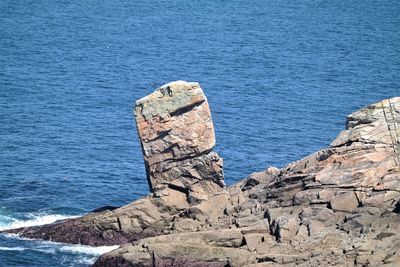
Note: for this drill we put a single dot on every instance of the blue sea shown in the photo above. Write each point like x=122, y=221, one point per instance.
x=280, y=77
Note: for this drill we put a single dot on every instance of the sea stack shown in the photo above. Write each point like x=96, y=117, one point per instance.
x=177, y=136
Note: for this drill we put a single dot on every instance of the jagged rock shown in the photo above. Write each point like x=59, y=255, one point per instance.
x=337, y=207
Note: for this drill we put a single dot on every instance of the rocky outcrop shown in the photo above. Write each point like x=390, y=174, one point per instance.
x=337, y=207
x=185, y=176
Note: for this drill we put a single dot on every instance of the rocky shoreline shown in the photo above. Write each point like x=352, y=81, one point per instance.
x=337, y=207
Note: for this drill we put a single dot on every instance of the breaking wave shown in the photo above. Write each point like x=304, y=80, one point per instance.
x=8, y=223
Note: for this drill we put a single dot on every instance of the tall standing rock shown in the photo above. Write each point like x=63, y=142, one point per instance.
x=177, y=137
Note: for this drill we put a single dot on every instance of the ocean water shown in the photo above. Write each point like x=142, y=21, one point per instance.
x=280, y=77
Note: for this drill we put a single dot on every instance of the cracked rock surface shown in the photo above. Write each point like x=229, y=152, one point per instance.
x=177, y=136
x=337, y=207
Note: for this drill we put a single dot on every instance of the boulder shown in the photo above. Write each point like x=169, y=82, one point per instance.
x=346, y=202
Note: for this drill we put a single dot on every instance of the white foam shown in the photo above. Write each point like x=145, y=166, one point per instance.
x=12, y=248
x=44, y=250
x=5, y=220
x=82, y=249
x=52, y=247
x=38, y=220
x=87, y=254
x=86, y=260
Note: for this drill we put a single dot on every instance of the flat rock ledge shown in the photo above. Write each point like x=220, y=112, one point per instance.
x=337, y=207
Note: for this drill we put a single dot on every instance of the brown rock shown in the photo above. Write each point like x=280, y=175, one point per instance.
x=218, y=238
x=177, y=136
x=254, y=239
x=375, y=123
x=346, y=202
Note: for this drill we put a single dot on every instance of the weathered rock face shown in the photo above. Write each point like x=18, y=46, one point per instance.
x=337, y=207
x=177, y=136
x=376, y=123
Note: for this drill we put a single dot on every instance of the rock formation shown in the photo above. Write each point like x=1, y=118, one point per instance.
x=337, y=207
x=177, y=136
x=185, y=176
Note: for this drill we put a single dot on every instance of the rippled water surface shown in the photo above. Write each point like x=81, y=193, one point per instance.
x=280, y=77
